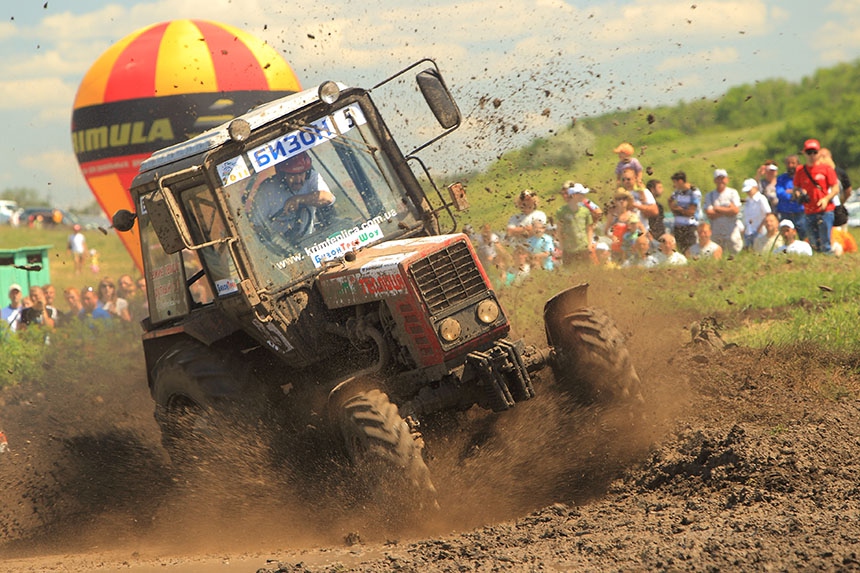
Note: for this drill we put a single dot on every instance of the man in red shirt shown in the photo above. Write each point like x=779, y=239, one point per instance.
x=815, y=184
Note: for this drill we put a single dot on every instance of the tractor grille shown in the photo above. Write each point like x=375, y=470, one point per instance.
x=447, y=277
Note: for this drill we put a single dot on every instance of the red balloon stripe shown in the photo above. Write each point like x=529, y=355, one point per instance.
x=133, y=73
x=236, y=67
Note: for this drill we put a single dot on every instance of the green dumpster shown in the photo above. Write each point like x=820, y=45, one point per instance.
x=26, y=266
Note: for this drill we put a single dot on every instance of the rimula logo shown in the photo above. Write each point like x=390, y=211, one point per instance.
x=122, y=135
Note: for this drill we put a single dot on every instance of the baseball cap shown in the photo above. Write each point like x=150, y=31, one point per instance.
x=749, y=184
x=772, y=167
x=15, y=286
x=577, y=189
x=786, y=223
x=720, y=173
x=625, y=147
x=601, y=246
x=811, y=144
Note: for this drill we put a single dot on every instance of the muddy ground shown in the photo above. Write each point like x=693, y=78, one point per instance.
x=745, y=460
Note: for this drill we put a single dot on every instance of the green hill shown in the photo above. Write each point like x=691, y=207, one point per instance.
x=736, y=132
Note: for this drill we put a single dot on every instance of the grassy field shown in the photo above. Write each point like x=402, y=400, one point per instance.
x=113, y=258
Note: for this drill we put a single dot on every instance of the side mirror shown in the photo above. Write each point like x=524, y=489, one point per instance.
x=123, y=220
x=458, y=196
x=438, y=97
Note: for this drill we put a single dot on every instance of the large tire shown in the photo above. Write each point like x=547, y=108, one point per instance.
x=592, y=362
x=208, y=407
x=387, y=457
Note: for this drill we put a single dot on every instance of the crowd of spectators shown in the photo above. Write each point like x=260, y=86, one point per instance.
x=796, y=213
x=121, y=301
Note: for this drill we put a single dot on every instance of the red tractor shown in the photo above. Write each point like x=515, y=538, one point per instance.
x=297, y=271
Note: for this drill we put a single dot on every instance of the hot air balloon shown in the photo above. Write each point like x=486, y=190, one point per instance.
x=161, y=85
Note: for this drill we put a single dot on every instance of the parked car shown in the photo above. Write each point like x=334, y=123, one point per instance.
x=49, y=217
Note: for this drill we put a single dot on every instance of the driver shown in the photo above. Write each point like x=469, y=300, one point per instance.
x=276, y=200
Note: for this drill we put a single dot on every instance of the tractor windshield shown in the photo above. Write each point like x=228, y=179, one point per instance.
x=310, y=195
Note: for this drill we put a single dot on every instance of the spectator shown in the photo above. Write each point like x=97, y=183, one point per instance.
x=520, y=267
x=792, y=245
x=704, y=248
x=488, y=246
x=841, y=241
x=722, y=206
x=644, y=203
x=840, y=213
x=35, y=311
x=668, y=254
x=11, y=314
x=685, y=204
x=845, y=188
x=111, y=302
x=755, y=208
x=767, y=175
x=603, y=254
x=627, y=161
x=769, y=241
x=655, y=224
x=77, y=247
x=639, y=256
x=575, y=225
x=815, y=184
x=90, y=308
x=50, y=297
x=73, y=299
x=787, y=207
x=596, y=211
x=617, y=222
x=541, y=248
x=520, y=225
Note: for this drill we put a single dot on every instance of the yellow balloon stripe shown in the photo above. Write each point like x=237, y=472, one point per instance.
x=92, y=88
x=191, y=73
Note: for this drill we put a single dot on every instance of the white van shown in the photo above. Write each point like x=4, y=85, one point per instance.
x=7, y=209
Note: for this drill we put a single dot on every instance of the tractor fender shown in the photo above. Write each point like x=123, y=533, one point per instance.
x=560, y=306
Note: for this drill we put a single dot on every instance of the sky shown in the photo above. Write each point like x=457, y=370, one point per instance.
x=546, y=62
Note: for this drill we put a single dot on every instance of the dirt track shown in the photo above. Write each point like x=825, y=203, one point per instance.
x=747, y=460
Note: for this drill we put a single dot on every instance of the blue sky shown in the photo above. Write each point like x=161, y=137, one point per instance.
x=589, y=56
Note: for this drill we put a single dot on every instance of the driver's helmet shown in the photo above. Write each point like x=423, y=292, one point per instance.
x=295, y=165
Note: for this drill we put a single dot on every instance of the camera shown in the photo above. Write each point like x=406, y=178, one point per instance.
x=802, y=197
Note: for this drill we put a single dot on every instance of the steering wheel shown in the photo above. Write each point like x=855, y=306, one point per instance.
x=284, y=231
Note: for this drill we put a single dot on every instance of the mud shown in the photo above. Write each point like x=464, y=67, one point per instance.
x=743, y=460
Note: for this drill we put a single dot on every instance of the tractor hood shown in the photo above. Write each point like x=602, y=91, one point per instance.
x=430, y=267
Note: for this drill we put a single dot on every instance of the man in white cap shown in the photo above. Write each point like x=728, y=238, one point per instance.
x=755, y=208
x=722, y=206
x=792, y=245
x=11, y=314
x=575, y=220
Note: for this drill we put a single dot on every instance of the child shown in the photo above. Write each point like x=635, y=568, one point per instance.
x=520, y=269
x=541, y=247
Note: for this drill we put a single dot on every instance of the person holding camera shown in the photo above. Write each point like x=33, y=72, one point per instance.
x=815, y=184
x=35, y=311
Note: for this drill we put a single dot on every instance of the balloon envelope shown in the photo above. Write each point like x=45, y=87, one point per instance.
x=161, y=85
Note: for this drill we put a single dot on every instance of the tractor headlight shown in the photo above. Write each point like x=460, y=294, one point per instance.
x=329, y=92
x=487, y=311
x=449, y=329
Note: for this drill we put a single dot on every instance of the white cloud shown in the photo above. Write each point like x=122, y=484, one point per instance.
x=705, y=57
x=35, y=93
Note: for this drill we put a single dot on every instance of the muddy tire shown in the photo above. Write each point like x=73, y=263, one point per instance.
x=592, y=362
x=207, y=407
x=387, y=457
